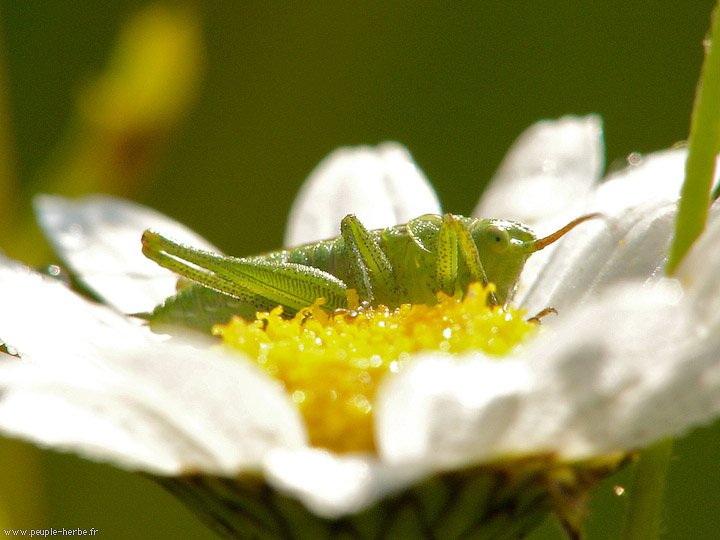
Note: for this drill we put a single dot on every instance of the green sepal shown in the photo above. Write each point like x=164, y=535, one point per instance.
x=504, y=501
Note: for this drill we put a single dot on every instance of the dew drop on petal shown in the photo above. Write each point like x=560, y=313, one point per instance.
x=6, y=348
x=549, y=166
x=634, y=159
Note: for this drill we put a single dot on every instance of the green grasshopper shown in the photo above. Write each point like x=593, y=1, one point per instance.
x=408, y=263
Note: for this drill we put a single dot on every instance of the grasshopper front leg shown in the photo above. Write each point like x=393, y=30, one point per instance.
x=455, y=241
x=257, y=281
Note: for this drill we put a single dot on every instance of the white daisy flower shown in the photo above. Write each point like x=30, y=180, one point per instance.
x=464, y=443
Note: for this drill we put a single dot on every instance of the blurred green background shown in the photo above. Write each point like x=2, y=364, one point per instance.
x=214, y=113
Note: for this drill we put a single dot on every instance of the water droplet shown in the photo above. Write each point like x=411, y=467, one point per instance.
x=619, y=490
x=634, y=159
x=8, y=349
x=362, y=403
x=57, y=272
x=362, y=363
x=549, y=166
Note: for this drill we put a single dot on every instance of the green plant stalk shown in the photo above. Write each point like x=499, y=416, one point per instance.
x=704, y=145
x=645, y=503
x=643, y=518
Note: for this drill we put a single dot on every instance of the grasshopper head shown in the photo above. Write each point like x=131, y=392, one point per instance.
x=504, y=246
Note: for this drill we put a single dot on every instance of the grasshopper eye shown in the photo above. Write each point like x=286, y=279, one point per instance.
x=497, y=238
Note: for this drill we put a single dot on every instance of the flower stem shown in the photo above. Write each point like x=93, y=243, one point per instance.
x=704, y=145
x=646, y=498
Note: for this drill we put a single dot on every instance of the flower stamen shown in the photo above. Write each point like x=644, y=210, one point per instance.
x=332, y=364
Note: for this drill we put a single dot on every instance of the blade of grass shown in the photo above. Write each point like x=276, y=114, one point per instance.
x=643, y=519
x=704, y=145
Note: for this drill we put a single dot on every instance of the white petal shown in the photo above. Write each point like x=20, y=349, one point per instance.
x=92, y=417
x=44, y=320
x=220, y=399
x=599, y=253
x=443, y=410
x=98, y=236
x=193, y=407
x=381, y=185
x=630, y=240
x=657, y=178
x=699, y=273
x=617, y=374
x=550, y=167
x=332, y=485
x=163, y=408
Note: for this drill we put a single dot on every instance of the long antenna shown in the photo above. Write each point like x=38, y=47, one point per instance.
x=537, y=245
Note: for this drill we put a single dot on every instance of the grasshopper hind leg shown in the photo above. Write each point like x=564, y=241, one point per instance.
x=257, y=281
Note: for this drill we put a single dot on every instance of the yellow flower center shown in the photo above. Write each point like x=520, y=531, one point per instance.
x=331, y=365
